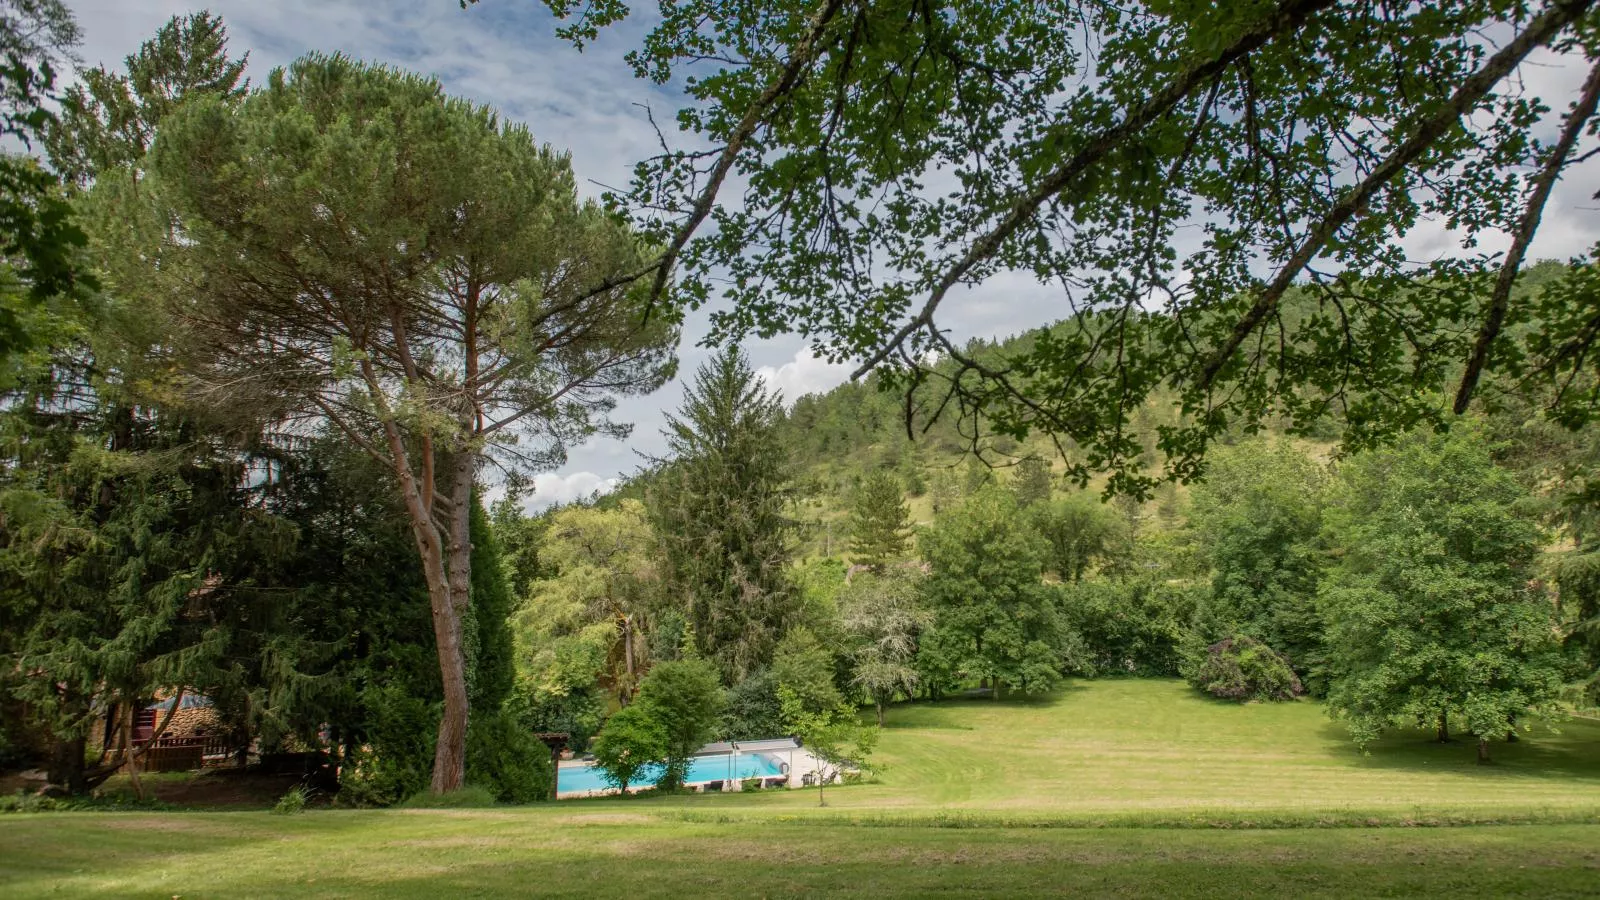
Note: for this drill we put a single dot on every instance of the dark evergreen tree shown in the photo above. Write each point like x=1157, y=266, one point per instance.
x=717, y=505
x=109, y=120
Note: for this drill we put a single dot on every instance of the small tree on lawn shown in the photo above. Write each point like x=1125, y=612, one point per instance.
x=835, y=737
x=686, y=698
x=1433, y=612
x=633, y=738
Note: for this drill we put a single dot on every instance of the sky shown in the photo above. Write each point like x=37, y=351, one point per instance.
x=504, y=53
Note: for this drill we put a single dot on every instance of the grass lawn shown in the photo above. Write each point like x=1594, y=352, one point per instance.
x=1090, y=791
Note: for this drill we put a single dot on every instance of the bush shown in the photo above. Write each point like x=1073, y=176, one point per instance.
x=633, y=739
x=292, y=802
x=507, y=760
x=1242, y=668
x=395, y=758
x=472, y=796
x=1129, y=627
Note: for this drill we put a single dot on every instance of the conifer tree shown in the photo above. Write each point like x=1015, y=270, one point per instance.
x=879, y=522
x=718, y=507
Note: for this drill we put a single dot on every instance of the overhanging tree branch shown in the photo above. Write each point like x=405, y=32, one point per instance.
x=1539, y=32
x=1500, y=300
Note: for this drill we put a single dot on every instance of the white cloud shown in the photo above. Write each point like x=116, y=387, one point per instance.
x=806, y=373
x=550, y=490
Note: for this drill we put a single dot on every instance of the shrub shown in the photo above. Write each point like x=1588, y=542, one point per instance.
x=633, y=739
x=506, y=759
x=292, y=802
x=1242, y=668
x=472, y=796
x=395, y=758
x=752, y=711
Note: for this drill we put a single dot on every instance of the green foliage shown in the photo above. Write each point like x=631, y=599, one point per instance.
x=1090, y=188
x=1432, y=612
x=803, y=670
x=604, y=590
x=718, y=507
x=40, y=242
x=879, y=521
x=1257, y=517
x=1242, y=668
x=994, y=618
x=753, y=710
x=633, y=739
x=834, y=736
x=505, y=759
x=109, y=120
x=470, y=797
x=883, y=617
x=494, y=669
x=1082, y=532
x=683, y=696
x=1032, y=481
x=395, y=759
x=1132, y=626
x=579, y=712
x=293, y=801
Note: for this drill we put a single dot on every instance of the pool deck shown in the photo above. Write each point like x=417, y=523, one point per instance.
x=801, y=763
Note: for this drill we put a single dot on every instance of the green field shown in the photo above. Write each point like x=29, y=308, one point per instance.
x=1131, y=788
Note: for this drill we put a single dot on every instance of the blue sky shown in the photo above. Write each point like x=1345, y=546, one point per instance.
x=504, y=53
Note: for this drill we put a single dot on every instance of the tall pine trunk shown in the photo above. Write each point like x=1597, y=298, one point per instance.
x=446, y=552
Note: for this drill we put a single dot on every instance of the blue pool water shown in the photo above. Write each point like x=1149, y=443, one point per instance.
x=703, y=768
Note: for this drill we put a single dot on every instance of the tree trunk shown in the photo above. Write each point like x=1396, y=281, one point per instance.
x=880, y=713
x=450, y=756
x=67, y=769
x=1443, y=734
x=627, y=656
x=132, y=764
x=1483, y=750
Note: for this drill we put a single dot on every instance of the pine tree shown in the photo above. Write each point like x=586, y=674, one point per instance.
x=879, y=522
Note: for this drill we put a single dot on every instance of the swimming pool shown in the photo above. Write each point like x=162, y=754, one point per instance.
x=718, y=767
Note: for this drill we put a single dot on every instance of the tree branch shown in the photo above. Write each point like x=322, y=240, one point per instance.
x=1582, y=111
x=1540, y=31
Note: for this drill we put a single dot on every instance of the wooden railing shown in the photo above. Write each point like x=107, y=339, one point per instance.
x=182, y=754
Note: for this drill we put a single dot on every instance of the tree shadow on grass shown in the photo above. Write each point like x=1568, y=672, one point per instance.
x=1570, y=752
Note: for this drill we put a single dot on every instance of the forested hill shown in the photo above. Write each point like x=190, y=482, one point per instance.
x=837, y=437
